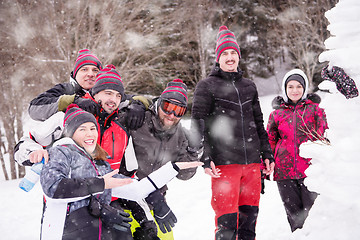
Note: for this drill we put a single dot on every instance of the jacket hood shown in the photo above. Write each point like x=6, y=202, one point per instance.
x=287, y=75
x=70, y=141
x=278, y=101
x=64, y=141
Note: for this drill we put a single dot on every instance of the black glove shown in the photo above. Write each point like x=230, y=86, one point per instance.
x=135, y=115
x=164, y=217
x=146, y=231
x=263, y=177
x=88, y=105
x=115, y=218
x=110, y=216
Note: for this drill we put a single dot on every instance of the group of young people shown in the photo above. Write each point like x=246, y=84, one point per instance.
x=96, y=128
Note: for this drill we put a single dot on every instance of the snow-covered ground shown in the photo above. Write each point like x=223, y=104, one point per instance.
x=335, y=215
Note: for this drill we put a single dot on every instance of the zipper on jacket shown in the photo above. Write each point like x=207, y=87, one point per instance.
x=113, y=145
x=242, y=121
x=295, y=126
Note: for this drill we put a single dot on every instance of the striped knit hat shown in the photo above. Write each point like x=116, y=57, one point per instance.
x=176, y=89
x=108, y=78
x=74, y=117
x=85, y=57
x=225, y=40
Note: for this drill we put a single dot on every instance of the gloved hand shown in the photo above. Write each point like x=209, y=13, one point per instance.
x=164, y=217
x=110, y=216
x=263, y=177
x=65, y=101
x=146, y=231
x=88, y=105
x=135, y=115
x=115, y=218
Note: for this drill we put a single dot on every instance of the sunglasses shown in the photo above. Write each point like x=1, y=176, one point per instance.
x=169, y=107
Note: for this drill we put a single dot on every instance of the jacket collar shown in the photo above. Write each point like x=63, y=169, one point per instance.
x=72, y=144
x=77, y=88
x=231, y=76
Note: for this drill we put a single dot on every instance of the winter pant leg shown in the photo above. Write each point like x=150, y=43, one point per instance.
x=226, y=227
x=224, y=201
x=249, y=198
x=238, y=185
x=308, y=197
x=247, y=222
x=163, y=236
x=290, y=192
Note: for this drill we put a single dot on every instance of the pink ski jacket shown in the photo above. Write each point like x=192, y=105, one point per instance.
x=289, y=126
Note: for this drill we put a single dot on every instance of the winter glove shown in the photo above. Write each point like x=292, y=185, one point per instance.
x=263, y=177
x=146, y=231
x=88, y=105
x=65, y=101
x=164, y=217
x=135, y=115
x=115, y=218
x=111, y=217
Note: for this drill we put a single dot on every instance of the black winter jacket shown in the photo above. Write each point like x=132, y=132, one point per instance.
x=46, y=104
x=234, y=127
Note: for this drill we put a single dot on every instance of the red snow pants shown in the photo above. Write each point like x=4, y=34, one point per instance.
x=238, y=187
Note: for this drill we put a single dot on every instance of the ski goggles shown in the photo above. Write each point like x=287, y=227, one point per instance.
x=169, y=106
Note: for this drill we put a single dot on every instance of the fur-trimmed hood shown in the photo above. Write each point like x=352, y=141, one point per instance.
x=287, y=75
x=278, y=101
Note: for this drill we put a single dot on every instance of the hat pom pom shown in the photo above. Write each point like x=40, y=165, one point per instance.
x=178, y=80
x=110, y=66
x=73, y=105
x=222, y=28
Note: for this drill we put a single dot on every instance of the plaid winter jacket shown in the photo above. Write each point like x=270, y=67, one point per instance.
x=288, y=127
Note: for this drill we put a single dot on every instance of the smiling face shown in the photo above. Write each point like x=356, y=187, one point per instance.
x=109, y=99
x=294, y=91
x=86, y=136
x=86, y=76
x=229, y=60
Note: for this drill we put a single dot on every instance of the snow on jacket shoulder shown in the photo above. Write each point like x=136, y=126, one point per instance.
x=286, y=128
x=234, y=126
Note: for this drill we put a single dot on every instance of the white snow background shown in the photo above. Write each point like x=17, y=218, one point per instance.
x=334, y=173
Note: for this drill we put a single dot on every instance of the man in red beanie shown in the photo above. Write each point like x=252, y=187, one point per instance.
x=82, y=79
x=226, y=113
x=159, y=140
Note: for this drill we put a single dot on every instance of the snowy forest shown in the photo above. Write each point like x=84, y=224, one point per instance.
x=150, y=42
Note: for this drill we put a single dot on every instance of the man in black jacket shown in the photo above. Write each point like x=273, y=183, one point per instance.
x=59, y=97
x=227, y=114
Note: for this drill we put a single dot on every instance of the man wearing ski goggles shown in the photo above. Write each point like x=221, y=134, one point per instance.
x=159, y=140
x=170, y=106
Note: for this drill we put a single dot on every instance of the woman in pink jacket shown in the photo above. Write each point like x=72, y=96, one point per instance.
x=296, y=119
